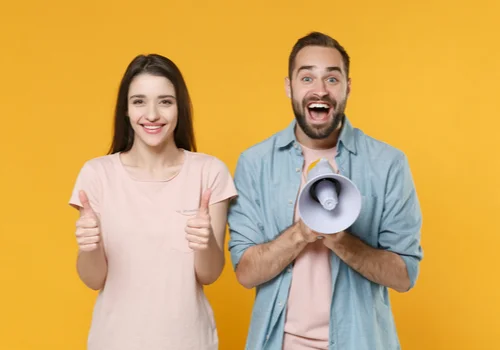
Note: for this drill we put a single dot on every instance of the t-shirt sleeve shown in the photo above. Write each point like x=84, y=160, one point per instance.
x=220, y=182
x=88, y=181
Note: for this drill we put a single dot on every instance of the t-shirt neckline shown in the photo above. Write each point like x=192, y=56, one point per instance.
x=128, y=175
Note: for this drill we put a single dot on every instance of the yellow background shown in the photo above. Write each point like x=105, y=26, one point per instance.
x=425, y=79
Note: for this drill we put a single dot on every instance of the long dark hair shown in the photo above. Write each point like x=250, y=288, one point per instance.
x=158, y=65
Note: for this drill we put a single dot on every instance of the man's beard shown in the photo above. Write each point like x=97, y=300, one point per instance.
x=314, y=132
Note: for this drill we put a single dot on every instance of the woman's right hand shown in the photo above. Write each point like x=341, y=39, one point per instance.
x=88, y=231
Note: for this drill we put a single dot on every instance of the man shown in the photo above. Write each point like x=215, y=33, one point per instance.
x=330, y=291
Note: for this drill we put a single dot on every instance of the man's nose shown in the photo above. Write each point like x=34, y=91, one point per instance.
x=320, y=89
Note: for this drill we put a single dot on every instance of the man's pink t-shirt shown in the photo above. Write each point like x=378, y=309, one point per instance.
x=308, y=308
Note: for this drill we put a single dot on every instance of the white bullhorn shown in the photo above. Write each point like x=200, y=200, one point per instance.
x=328, y=203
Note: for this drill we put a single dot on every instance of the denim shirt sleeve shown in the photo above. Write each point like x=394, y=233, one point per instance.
x=402, y=219
x=243, y=217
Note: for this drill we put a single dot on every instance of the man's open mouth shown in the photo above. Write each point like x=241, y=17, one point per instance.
x=319, y=111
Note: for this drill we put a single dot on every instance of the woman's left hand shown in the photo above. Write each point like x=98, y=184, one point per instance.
x=199, y=231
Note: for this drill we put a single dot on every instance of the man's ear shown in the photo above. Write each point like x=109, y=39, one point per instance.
x=288, y=88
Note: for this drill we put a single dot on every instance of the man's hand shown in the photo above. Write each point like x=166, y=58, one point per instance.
x=307, y=234
x=332, y=241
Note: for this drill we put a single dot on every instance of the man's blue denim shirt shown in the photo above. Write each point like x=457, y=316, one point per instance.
x=268, y=177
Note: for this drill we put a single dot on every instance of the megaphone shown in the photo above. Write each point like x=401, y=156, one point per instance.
x=328, y=203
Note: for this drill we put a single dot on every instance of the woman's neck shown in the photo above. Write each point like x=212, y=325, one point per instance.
x=153, y=160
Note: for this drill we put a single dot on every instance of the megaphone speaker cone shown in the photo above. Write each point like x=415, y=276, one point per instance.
x=329, y=202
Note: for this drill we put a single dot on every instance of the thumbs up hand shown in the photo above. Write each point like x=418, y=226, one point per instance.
x=199, y=231
x=88, y=232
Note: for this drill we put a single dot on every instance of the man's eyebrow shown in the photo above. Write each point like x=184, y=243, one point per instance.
x=329, y=69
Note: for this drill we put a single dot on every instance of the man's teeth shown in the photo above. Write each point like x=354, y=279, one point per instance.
x=318, y=105
x=152, y=127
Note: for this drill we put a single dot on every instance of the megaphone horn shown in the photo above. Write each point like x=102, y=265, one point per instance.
x=329, y=202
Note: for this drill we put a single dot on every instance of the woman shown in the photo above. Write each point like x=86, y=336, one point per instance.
x=152, y=220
